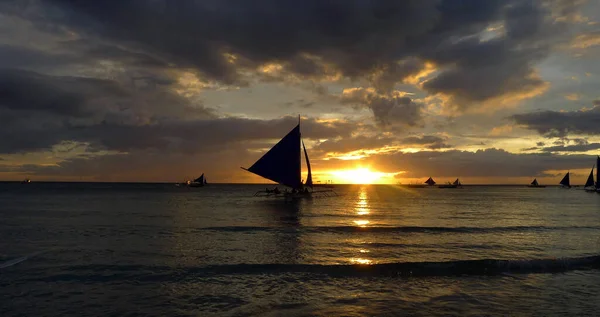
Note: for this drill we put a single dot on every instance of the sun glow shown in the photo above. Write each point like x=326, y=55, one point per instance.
x=361, y=175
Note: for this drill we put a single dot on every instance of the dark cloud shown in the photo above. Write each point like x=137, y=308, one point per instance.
x=429, y=141
x=39, y=111
x=384, y=41
x=572, y=148
x=540, y=143
x=394, y=109
x=596, y=102
x=561, y=123
x=21, y=90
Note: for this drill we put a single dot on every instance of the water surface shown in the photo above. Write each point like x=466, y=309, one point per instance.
x=155, y=249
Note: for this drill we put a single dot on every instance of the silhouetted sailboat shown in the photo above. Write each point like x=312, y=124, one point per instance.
x=430, y=181
x=535, y=184
x=565, y=182
x=598, y=174
x=456, y=184
x=198, y=182
x=590, y=186
x=283, y=164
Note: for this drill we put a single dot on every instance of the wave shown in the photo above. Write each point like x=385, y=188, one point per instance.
x=400, y=229
x=18, y=260
x=449, y=268
x=144, y=273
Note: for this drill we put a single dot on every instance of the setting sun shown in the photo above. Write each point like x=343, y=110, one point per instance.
x=361, y=175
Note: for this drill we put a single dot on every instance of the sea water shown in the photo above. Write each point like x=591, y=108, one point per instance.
x=100, y=249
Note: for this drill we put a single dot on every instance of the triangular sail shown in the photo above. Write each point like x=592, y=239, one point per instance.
x=456, y=182
x=598, y=172
x=281, y=163
x=430, y=182
x=535, y=182
x=309, y=181
x=566, y=181
x=200, y=179
x=590, y=179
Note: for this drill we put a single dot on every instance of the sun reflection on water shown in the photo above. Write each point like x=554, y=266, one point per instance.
x=362, y=208
x=361, y=223
x=361, y=261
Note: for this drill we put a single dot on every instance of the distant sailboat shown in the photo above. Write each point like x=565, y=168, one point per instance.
x=430, y=181
x=590, y=186
x=198, y=182
x=26, y=181
x=456, y=184
x=283, y=165
x=535, y=184
x=598, y=174
x=565, y=182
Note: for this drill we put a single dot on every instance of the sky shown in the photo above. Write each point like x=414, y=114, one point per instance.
x=495, y=91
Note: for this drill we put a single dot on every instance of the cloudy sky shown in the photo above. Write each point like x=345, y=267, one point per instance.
x=495, y=91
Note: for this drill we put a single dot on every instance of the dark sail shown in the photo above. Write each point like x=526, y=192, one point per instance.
x=309, y=181
x=590, y=179
x=565, y=181
x=456, y=182
x=200, y=179
x=430, y=182
x=535, y=182
x=282, y=163
x=205, y=182
x=598, y=172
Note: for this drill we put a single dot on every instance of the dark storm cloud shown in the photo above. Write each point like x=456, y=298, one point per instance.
x=429, y=141
x=572, y=148
x=561, y=123
x=385, y=41
x=39, y=111
x=21, y=90
x=394, y=109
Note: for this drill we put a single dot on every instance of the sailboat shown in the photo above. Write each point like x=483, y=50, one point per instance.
x=430, y=182
x=283, y=165
x=535, y=184
x=198, y=182
x=456, y=184
x=565, y=182
x=598, y=174
x=590, y=186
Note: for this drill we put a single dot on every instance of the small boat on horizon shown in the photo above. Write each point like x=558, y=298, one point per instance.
x=430, y=182
x=565, y=182
x=26, y=181
x=590, y=186
x=598, y=174
x=456, y=184
x=535, y=184
x=198, y=182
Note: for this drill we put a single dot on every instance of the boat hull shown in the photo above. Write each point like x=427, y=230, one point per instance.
x=196, y=185
x=448, y=186
x=538, y=186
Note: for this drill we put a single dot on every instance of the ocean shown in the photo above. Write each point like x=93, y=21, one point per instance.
x=102, y=249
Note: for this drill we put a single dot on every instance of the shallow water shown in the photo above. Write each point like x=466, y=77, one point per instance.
x=155, y=249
